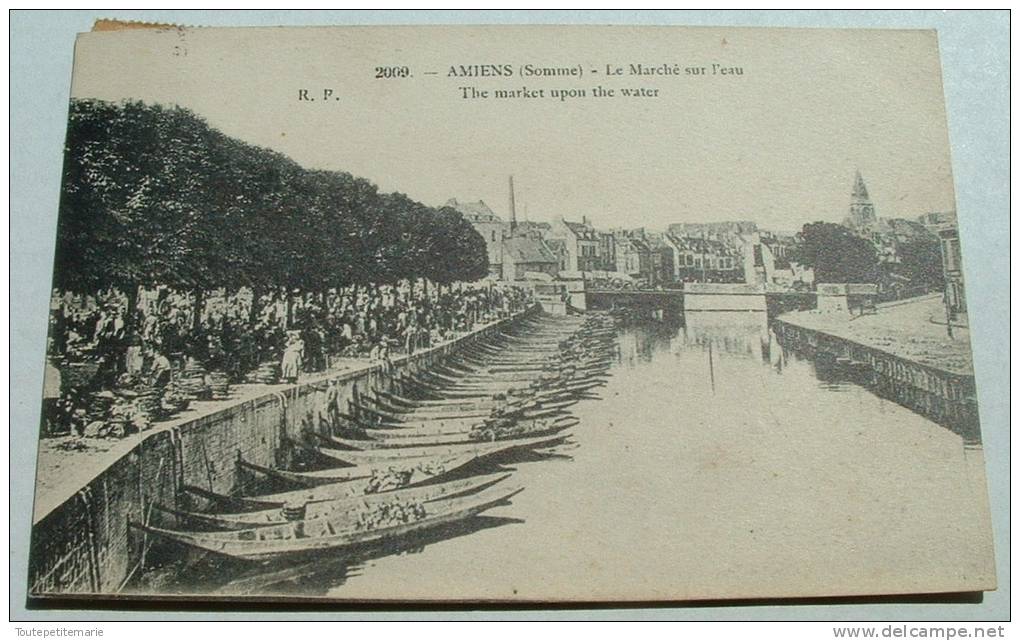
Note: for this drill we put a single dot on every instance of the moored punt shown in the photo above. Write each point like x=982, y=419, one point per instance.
x=457, y=408
x=483, y=408
x=439, y=410
x=465, y=390
x=525, y=428
x=396, y=473
x=531, y=352
x=445, y=389
x=228, y=503
x=433, y=408
x=357, y=425
x=403, y=417
x=519, y=373
x=431, y=428
x=556, y=366
x=440, y=427
x=334, y=508
x=411, y=454
x=498, y=391
x=309, y=479
x=321, y=534
x=436, y=403
x=361, y=477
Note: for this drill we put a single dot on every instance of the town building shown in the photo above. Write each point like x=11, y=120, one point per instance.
x=607, y=251
x=491, y=227
x=945, y=226
x=533, y=228
x=698, y=259
x=718, y=230
x=524, y=257
x=581, y=243
x=633, y=257
x=517, y=251
x=662, y=261
x=758, y=261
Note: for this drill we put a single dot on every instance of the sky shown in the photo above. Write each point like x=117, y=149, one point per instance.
x=777, y=144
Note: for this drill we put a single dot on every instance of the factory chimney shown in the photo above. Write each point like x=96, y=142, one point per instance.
x=513, y=208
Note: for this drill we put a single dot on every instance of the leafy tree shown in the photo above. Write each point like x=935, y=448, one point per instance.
x=154, y=196
x=836, y=254
x=457, y=251
x=921, y=262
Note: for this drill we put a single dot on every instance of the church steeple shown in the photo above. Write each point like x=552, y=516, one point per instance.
x=860, y=193
x=862, y=211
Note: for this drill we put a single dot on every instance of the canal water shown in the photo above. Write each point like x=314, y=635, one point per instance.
x=714, y=465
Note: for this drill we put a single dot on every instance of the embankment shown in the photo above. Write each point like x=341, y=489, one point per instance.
x=942, y=395
x=84, y=544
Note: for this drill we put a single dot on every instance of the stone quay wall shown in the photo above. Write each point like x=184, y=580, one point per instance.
x=85, y=546
x=948, y=398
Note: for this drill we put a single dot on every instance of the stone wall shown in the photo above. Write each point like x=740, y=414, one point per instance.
x=724, y=297
x=85, y=546
x=948, y=398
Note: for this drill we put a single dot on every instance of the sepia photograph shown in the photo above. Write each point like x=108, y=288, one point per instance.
x=521, y=314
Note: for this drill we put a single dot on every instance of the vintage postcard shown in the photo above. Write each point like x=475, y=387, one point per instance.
x=568, y=314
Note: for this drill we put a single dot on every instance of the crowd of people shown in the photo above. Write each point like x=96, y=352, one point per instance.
x=287, y=334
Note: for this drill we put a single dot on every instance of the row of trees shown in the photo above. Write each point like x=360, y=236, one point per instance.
x=153, y=195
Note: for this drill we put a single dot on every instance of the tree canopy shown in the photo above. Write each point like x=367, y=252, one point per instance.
x=836, y=254
x=921, y=263
x=154, y=195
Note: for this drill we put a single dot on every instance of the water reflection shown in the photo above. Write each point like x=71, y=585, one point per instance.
x=707, y=342
x=739, y=334
x=715, y=462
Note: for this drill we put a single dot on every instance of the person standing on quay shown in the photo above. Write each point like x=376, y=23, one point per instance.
x=293, y=357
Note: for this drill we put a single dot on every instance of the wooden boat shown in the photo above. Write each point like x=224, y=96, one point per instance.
x=431, y=430
x=454, y=408
x=529, y=428
x=468, y=391
x=421, y=424
x=228, y=503
x=425, y=472
x=410, y=454
x=447, y=388
x=519, y=377
x=418, y=469
x=484, y=356
x=473, y=409
x=462, y=390
x=334, y=508
x=322, y=534
x=445, y=427
x=493, y=374
x=433, y=408
x=394, y=417
x=354, y=424
x=309, y=479
x=436, y=403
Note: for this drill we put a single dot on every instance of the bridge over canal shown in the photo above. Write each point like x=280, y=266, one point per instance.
x=701, y=297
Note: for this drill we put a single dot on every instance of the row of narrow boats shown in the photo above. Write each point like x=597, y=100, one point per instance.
x=418, y=457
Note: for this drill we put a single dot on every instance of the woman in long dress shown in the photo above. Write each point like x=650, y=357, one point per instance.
x=293, y=359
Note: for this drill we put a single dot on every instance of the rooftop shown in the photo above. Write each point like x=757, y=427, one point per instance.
x=523, y=249
x=582, y=230
x=476, y=212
